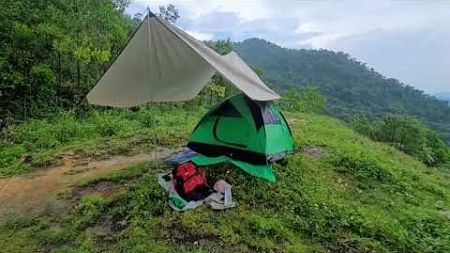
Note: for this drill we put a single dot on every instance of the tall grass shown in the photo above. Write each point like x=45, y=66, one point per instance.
x=40, y=143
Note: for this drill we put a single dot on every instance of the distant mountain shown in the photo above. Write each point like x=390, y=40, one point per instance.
x=350, y=86
x=444, y=96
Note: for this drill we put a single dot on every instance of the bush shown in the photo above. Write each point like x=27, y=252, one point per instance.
x=307, y=100
x=408, y=135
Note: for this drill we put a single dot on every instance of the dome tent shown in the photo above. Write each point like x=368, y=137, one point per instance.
x=247, y=133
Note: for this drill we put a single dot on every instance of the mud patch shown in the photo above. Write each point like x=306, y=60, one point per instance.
x=104, y=231
x=104, y=188
x=71, y=159
x=348, y=246
x=205, y=242
x=314, y=152
x=36, y=192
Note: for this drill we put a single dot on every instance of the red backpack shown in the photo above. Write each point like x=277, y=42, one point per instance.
x=190, y=182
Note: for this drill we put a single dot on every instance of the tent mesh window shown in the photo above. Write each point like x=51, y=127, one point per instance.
x=262, y=113
x=227, y=110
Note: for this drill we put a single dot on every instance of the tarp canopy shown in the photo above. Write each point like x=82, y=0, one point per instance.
x=162, y=63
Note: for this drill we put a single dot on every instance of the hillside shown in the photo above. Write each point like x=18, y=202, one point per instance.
x=339, y=192
x=350, y=86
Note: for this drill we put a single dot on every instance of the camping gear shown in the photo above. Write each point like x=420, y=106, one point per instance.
x=223, y=188
x=162, y=63
x=190, y=182
x=263, y=171
x=220, y=186
x=215, y=200
x=245, y=130
x=176, y=202
x=219, y=201
x=182, y=156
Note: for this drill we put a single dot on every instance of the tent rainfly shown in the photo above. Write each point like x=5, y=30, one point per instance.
x=162, y=63
x=249, y=134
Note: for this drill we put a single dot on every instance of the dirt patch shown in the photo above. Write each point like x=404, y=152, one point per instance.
x=314, y=152
x=29, y=194
x=445, y=214
x=192, y=240
x=105, y=189
x=349, y=246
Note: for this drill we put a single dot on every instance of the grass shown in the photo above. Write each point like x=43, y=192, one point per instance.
x=358, y=196
x=101, y=133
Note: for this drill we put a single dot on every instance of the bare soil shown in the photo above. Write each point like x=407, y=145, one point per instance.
x=29, y=194
x=314, y=152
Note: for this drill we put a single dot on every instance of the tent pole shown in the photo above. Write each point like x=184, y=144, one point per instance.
x=155, y=144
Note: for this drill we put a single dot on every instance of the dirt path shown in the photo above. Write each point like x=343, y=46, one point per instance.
x=38, y=191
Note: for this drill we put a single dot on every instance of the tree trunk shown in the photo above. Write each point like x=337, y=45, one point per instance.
x=77, y=90
x=59, y=89
x=210, y=97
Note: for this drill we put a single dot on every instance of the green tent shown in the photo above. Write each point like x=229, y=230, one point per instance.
x=245, y=131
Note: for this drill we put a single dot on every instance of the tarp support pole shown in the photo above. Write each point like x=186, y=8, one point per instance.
x=155, y=144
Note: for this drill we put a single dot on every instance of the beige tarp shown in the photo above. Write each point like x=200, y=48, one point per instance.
x=162, y=63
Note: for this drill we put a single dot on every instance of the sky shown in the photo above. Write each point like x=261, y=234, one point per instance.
x=406, y=40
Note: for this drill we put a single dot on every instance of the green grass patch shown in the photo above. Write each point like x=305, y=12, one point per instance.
x=101, y=133
x=358, y=196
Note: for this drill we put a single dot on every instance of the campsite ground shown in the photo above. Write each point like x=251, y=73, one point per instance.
x=338, y=192
x=28, y=195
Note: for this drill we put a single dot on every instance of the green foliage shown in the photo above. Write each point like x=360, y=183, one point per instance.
x=222, y=47
x=40, y=143
x=407, y=134
x=52, y=52
x=307, y=100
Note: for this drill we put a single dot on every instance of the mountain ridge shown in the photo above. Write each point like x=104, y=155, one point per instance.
x=351, y=87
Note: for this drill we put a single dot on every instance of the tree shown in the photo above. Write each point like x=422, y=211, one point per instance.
x=362, y=125
x=307, y=100
x=169, y=13
x=53, y=51
x=407, y=134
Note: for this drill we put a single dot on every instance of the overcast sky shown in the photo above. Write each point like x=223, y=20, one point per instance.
x=407, y=40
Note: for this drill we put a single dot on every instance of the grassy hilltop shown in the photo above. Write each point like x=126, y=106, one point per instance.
x=338, y=192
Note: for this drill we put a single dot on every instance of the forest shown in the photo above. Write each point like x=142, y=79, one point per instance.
x=351, y=87
x=53, y=51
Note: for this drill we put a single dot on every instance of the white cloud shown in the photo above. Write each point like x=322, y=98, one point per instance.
x=200, y=36
x=373, y=31
x=247, y=10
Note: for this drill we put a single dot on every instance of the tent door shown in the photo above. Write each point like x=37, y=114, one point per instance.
x=232, y=131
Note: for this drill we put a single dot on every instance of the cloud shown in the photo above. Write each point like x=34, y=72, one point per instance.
x=200, y=36
x=405, y=40
x=419, y=58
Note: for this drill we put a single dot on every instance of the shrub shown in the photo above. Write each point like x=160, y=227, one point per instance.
x=408, y=135
x=307, y=100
